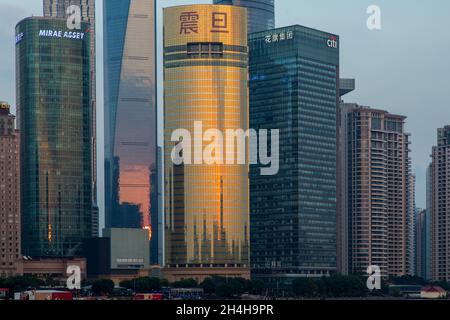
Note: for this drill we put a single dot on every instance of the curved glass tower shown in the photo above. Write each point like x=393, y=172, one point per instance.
x=205, y=81
x=261, y=13
x=54, y=111
x=58, y=9
x=130, y=115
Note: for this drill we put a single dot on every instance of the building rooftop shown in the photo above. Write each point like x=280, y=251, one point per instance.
x=346, y=86
x=295, y=27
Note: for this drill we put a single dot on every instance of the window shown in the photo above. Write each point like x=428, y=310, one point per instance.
x=205, y=49
x=193, y=48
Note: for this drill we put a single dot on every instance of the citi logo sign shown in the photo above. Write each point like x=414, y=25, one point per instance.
x=332, y=42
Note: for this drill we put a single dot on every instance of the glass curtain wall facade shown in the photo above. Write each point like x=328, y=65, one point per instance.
x=421, y=246
x=205, y=80
x=58, y=9
x=54, y=116
x=131, y=177
x=294, y=87
x=261, y=13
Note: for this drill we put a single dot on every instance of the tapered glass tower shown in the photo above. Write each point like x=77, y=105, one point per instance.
x=130, y=116
x=62, y=9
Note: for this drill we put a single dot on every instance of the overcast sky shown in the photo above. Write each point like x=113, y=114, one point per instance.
x=403, y=68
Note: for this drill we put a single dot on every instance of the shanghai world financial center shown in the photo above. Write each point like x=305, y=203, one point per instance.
x=131, y=179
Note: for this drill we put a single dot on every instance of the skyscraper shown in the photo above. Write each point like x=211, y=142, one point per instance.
x=411, y=222
x=261, y=13
x=131, y=177
x=373, y=204
x=294, y=87
x=429, y=214
x=205, y=83
x=58, y=9
x=53, y=78
x=342, y=237
x=440, y=206
x=421, y=245
x=10, y=252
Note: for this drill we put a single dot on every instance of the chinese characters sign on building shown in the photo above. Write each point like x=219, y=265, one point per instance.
x=277, y=37
x=219, y=22
x=190, y=22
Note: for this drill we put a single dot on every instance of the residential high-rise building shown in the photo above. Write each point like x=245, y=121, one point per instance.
x=10, y=252
x=411, y=221
x=294, y=87
x=421, y=245
x=440, y=207
x=53, y=81
x=342, y=237
x=58, y=9
x=375, y=182
x=261, y=13
x=206, y=86
x=429, y=209
x=131, y=175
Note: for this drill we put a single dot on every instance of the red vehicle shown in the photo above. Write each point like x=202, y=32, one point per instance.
x=149, y=296
x=65, y=295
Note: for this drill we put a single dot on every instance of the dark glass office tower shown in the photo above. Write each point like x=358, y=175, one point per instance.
x=294, y=86
x=261, y=13
x=421, y=243
x=53, y=83
x=131, y=195
x=58, y=9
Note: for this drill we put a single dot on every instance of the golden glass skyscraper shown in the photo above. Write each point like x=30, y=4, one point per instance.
x=205, y=81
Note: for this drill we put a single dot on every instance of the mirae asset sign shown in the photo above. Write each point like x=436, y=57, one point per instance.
x=61, y=34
